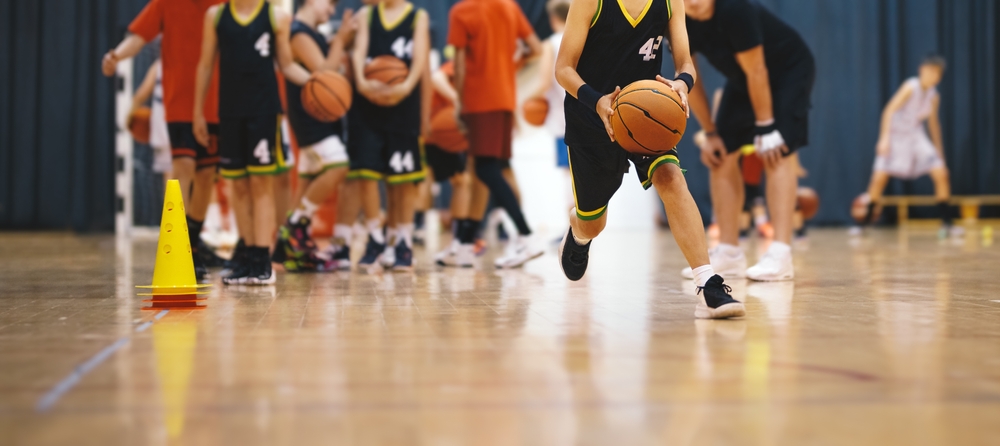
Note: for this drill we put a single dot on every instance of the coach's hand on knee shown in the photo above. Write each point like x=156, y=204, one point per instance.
x=606, y=111
x=713, y=151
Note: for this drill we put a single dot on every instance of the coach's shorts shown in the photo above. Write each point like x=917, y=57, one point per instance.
x=490, y=133
x=790, y=92
x=596, y=172
x=444, y=164
x=329, y=153
x=377, y=155
x=252, y=146
x=184, y=145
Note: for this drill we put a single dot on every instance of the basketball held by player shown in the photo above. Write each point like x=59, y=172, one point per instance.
x=603, y=49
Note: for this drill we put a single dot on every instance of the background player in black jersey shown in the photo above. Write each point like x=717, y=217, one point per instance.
x=385, y=125
x=249, y=37
x=769, y=76
x=322, y=162
x=603, y=49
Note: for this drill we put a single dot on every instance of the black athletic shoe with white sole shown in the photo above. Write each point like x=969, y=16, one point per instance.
x=717, y=303
x=573, y=257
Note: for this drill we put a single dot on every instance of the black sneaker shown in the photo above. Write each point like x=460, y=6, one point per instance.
x=573, y=257
x=293, y=241
x=242, y=269
x=373, y=251
x=208, y=256
x=404, y=257
x=200, y=272
x=238, y=255
x=717, y=303
x=261, y=273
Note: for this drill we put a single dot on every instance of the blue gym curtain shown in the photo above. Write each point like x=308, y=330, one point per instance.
x=56, y=110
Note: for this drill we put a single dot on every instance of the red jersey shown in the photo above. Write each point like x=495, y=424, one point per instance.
x=181, y=23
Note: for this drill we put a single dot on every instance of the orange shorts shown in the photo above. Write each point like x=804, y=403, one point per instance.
x=490, y=133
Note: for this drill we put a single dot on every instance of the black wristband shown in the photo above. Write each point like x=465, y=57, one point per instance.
x=764, y=129
x=687, y=78
x=588, y=96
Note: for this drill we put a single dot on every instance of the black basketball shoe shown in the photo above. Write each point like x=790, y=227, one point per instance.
x=573, y=257
x=717, y=303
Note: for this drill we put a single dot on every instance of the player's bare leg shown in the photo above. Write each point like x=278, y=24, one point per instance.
x=728, y=194
x=942, y=193
x=782, y=185
x=685, y=220
x=370, y=204
x=282, y=194
x=403, y=205
x=461, y=251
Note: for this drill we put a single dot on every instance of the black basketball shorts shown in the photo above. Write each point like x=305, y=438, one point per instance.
x=252, y=146
x=184, y=145
x=597, y=169
x=444, y=164
x=377, y=155
x=791, y=98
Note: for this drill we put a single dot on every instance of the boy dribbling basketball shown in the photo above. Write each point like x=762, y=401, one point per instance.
x=248, y=37
x=603, y=49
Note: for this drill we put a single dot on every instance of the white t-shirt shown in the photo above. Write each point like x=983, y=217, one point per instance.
x=158, y=136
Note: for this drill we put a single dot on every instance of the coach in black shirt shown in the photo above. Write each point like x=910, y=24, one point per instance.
x=769, y=76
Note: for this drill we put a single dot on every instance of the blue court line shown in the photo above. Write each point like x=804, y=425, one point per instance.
x=51, y=397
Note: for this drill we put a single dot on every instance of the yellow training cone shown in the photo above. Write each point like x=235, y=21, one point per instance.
x=173, y=274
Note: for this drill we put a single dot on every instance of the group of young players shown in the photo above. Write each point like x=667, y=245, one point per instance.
x=233, y=119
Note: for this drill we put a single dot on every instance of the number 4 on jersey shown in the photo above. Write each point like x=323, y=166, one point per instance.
x=649, y=49
x=263, y=45
x=403, y=48
x=402, y=163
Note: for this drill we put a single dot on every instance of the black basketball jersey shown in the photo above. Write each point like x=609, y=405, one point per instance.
x=248, y=85
x=394, y=39
x=619, y=50
x=308, y=130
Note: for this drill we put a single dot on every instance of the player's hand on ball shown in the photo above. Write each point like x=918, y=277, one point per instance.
x=606, y=112
x=680, y=88
x=201, y=130
x=713, y=151
x=109, y=63
x=882, y=147
x=394, y=94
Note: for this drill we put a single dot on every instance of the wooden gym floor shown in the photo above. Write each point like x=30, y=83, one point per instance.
x=893, y=338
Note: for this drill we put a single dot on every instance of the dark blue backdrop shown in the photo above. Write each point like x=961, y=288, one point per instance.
x=56, y=124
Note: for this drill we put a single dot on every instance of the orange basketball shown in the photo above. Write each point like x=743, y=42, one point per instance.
x=860, y=206
x=138, y=124
x=535, y=111
x=326, y=96
x=387, y=69
x=445, y=133
x=808, y=202
x=649, y=119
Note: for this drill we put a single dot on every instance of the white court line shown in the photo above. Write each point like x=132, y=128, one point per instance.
x=51, y=397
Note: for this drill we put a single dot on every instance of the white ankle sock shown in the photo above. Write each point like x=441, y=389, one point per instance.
x=730, y=250
x=405, y=233
x=342, y=233
x=780, y=248
x=305, y=209
x=375, y=230
x=581, y=241
x=702, y=274
x=390, y=236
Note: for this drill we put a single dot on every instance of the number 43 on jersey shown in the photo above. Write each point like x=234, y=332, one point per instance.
x=649, y=49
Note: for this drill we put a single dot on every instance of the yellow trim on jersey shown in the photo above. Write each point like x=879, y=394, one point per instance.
x=279, y=152
x=670, y=10
x=584, y=215
x=218, y=14
x=406, y=178
x=233, y=174
x=597, y=14
x=270, y=15
x=635, y=22
x=236, y=17
x=393, y=25
x=366, y=174
x=672, y=159
x=263, y=170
